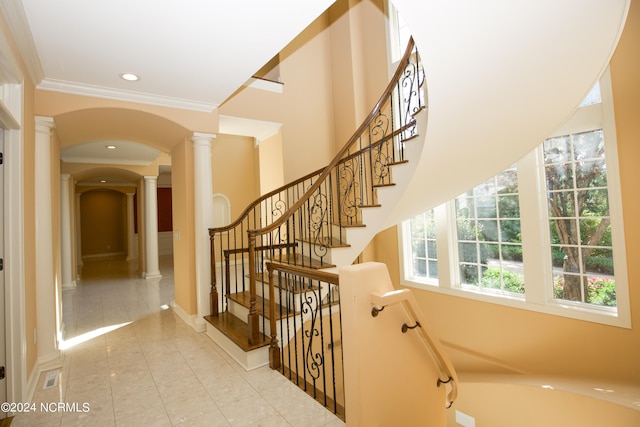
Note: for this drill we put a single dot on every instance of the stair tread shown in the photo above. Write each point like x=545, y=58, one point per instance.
x=399, y=162
x=332, y=242
x=236, y=330
x=352, y=225
x=243, y=298
x=302, y=260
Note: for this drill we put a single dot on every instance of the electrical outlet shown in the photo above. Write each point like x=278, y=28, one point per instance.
x=465, y=420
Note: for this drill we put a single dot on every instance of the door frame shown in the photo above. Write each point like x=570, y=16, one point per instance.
x=12, y=90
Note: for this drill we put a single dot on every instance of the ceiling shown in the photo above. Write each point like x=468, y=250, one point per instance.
x=189, y=54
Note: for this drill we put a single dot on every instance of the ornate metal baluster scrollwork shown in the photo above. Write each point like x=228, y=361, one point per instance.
x=379, y=131
x=313, y=360
x=319, y=224
x=349, y=190
x=279, y=207
x=409, y=85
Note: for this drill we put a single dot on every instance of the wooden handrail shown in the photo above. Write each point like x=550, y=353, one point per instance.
x=439, y=355
x=273, y=211
x=261, y=199
x=322, y=276
x=378, y=143
x=309, y=273
x=344, y=150
x=252, y=234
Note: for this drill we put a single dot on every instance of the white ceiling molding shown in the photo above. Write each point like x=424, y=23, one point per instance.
x=123, y=95
x=19, y=27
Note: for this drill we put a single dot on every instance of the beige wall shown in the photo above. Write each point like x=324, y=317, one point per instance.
x=184, y=268
x=358, y=62
x=103, y=224
x=542, y=344
x=508, y=405
x=332, y=75
x=234, y=161
x=271, y=167
x=121, y=119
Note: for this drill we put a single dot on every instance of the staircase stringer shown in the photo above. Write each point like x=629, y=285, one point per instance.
x=374, y=218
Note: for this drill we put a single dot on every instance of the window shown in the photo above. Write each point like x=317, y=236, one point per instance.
x=580, y=225
x=423, y=245
x=488, y=234
x=490, y=249
x=399, y=34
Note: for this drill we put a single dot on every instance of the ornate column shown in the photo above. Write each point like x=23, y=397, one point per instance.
x=131, y=251
x=203, y=220
x=151, y=227
x=46, y=285
x=65, y=233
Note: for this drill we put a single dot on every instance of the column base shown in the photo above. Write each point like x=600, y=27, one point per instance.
x=69, y=285
x=151, y=275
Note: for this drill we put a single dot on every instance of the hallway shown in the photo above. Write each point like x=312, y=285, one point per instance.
x=143, y=366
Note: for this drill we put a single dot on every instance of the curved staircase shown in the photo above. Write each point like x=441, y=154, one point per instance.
x=321, y=221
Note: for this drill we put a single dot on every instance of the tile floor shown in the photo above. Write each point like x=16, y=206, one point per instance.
x=152, y=369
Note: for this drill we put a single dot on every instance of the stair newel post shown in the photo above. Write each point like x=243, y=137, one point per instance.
x=252, y=318
x=274, y=348
x=213, y=293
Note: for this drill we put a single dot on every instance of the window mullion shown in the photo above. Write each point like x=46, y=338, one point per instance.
x=446, y=248
x=534, y=227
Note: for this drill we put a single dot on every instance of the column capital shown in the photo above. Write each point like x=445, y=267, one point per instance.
x=150, y=178
x=65, y=177
x=130, y=194
x=199, y=138
x=45, y=124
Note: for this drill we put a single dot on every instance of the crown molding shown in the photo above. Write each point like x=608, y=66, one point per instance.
x=19, y=27
x=124, y=95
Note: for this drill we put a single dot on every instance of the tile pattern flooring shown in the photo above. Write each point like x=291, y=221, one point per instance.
x=154, y=370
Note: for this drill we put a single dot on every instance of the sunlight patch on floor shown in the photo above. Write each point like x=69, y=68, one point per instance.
x=67, y=344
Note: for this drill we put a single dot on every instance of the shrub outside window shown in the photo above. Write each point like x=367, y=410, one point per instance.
x=489, y=237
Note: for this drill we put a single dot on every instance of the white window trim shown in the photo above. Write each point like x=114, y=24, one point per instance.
x=534, y=223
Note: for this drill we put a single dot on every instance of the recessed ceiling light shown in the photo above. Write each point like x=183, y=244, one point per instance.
x=130, y=77
x=103, y=180
x=111, y=147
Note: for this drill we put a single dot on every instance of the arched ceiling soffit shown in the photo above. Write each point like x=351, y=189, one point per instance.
x=106, y=177
x=120, y=124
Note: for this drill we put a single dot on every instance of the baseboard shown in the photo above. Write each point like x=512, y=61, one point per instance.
x=189, y=319
x=54, y=361
x=105, y=255
x=69, y=285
